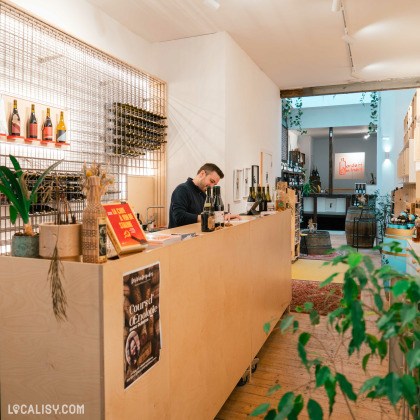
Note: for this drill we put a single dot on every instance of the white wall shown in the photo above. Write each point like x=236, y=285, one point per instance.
x=221, y=108
x=347, y=145
x=89, y=24
x=393, y=106
x=195, y=70
x=305, y=146
x=253, y=119
x=338, y=116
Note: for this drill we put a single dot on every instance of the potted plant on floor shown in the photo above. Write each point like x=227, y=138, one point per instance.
x=15, y=187
x=366, y=328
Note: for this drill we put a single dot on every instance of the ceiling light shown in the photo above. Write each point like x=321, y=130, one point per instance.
x=336, y=6
x=212, y=3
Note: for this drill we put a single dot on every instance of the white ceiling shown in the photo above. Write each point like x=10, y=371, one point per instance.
x=297, y=43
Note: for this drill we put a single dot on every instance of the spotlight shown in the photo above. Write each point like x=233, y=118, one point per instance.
x=367, y=136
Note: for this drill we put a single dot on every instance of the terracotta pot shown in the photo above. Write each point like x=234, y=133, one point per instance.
x=25, y=246
x=69, y=241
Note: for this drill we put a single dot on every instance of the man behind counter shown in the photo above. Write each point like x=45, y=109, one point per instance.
x=187, y=200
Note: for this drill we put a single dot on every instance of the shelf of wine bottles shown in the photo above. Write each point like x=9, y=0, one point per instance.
x=56, y=188
x=132, y=131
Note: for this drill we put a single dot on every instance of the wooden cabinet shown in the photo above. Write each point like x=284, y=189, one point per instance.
x=216, y=293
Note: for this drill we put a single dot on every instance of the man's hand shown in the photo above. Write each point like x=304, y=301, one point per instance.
x=232, y=216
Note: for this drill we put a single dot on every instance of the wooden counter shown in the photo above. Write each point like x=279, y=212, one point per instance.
x=216, y=293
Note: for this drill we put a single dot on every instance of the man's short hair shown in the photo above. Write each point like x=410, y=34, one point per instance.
x=211, y=167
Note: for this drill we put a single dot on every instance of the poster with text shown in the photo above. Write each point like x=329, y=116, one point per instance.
x=349, y=166
x=142, y=341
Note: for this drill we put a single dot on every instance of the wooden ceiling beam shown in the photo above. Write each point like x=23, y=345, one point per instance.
x=375, y=86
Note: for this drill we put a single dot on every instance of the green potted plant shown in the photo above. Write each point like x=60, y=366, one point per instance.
x=394, y=330
x=15, y=187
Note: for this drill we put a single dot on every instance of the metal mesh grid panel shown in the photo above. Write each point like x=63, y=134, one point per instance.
x=115, y=113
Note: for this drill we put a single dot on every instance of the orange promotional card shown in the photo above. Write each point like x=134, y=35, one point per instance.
x=124, y=229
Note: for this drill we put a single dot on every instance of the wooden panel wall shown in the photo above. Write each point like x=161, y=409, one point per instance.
x=44, y=361
x=217, y=291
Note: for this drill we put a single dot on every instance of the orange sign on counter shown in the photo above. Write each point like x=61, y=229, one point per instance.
x=124, y=229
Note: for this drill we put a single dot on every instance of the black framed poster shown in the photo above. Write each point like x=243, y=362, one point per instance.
x=142, y=340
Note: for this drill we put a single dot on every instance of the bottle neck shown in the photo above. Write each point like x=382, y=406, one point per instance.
x=94, y=194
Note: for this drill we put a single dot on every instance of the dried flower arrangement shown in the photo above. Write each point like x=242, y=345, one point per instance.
x=96, y=169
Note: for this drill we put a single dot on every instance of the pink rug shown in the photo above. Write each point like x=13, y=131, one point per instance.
x=325, y=300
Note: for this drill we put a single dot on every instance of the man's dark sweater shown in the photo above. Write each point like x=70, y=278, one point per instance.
x=187, y=203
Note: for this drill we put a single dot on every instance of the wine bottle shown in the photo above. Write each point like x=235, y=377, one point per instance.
x=47, y=132
x=33, y=125
x=258, y=197
x=251, y=200
x=219, y=208
x=61, y=129
x=207, y=217
x=253, y=193
x=15, y=121
x=94, y=225
x=264, y=199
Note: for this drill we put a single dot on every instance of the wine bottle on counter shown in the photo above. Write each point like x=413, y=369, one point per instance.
x=33, y=125
x=264, y=198
x=258, y=197
x=270, y=204
x=251, y=199
x=254, y=194
x=219, y=208
x=47, y=131
x=207, y=217
x=61, y=129
x=15, y=121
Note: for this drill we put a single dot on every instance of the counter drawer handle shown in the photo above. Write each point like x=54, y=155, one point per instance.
x=414, y=261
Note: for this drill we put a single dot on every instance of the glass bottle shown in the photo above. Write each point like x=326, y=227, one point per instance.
x=259, y=198
x=251, y=199
x=33, y=125
x=207, y=217
x=264, y=198
x=61, y=129
x=15, y=121
x=219, y=208
x=94, y=225
x=47, y=131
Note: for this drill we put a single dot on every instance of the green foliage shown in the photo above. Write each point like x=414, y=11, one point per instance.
x=374, y=104
x=398, y=319
x=381, y=205
x=293, y=120
x=13, y=186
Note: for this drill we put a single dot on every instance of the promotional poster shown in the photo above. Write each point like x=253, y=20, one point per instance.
x=142, y=340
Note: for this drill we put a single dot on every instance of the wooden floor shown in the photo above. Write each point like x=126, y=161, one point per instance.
x=280, y=364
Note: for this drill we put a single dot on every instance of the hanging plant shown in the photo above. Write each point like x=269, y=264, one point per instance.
x=374, y=103
x=295, y=120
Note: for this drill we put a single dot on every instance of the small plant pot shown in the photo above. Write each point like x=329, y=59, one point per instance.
x=25, y=246
x=69, y=239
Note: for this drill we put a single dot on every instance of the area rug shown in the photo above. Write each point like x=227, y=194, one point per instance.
x=327, y=257
x=325, y=300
